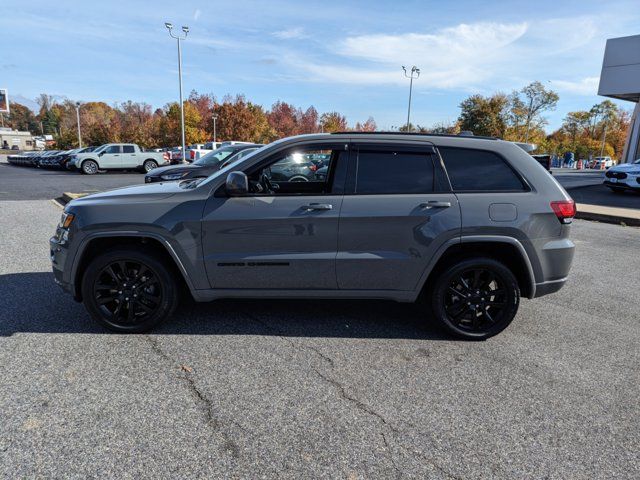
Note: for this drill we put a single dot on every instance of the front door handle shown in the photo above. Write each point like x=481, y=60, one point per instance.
x=318, y=206
x=435, y=204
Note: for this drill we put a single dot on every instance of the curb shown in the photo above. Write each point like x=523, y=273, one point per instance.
x=608, y=218
x=68, y=196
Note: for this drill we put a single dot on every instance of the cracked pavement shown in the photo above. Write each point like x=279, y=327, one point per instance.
x=319, y=389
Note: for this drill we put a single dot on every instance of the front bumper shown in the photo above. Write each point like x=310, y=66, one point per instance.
x=629, y=183
x=58, y=254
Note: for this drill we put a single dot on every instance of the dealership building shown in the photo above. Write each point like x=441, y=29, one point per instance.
x=15, y=139
x=620, y=79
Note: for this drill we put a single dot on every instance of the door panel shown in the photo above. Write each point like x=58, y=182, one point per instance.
x=111, y=158
x=386, y=241
x=271, y=242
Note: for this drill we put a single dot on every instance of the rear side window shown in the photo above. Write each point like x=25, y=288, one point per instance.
x=127, y=149
x=479, y=171
x=393, y=171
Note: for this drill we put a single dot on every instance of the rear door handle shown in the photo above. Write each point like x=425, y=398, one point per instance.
x=318, y=206
x=435, y=204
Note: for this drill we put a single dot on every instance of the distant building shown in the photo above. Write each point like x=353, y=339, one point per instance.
x=620, y=78
x=22, y=140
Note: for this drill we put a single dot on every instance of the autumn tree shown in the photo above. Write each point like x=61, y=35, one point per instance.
x=308, y=121
x=21, y=118
x=283, y=119
x=333, y=122
x=368, y=126
x=537, y=99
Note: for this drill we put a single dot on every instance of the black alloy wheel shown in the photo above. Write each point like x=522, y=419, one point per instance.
x=129, y=290
x=477, y=298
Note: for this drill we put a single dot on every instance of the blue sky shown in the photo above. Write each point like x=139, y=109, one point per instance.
x=335, y=55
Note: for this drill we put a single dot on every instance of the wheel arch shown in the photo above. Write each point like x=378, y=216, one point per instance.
x=507, y=250
x=99, y=243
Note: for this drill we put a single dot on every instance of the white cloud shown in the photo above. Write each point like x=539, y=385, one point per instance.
x=196, y=14
x=296, y=32
x=585, y=86
x=452, y=57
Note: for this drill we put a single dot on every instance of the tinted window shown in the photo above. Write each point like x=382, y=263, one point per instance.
x=478, y=170
x=113, y=149
x=127, y=149
x=385, y=172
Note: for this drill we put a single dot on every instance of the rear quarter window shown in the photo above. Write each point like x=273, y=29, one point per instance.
x=473, y=170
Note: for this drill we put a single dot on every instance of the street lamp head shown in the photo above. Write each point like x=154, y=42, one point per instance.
x=78, y=104
x=168, y=25
x=404, y=68
x=185, y=29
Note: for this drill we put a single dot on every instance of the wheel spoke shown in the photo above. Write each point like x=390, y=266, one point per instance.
x=488, y=316
x=456, y=310
x=457, y=292
x=476, y=278
x=103, y=300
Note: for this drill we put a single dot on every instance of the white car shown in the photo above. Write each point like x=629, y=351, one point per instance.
x=598, y=161
x=118, y=156
x=625, y=176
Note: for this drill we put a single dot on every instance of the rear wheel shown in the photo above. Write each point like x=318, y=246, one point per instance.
x=149, y=165
x=475, y=298
x=128, y=290
x=89, y=167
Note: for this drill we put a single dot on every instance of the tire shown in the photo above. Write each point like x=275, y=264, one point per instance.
x=617, y=190
x=473, y=312
x=89, y=167
x=112, y=281
x=149, y=165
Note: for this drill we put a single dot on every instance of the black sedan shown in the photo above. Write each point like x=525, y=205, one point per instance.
x=205, y=166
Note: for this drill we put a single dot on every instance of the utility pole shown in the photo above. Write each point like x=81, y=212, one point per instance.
x=414, y=73
x=179, y=38
x=78, y=118
x=604, y=138
x=215, y=117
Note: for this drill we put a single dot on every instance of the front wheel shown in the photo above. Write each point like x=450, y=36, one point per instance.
x=129, y=291
x=475, y=298
x=149, y=165
x=89, y=167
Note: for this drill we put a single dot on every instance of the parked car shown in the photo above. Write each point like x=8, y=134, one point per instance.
x=24, y=159
x=625, y=176
x=598, y=162
x=118, y=156
x=464, y=225
x=62, y=158
x=207, y=165
x=544, y=160
x=201, y=150
x=175, y=155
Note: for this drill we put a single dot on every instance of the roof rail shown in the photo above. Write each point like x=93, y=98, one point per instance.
x=450, y=135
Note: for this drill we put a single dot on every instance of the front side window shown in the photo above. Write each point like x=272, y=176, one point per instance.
x=112, y=149
x=302, y=172
x=479, y=171
x=393, y=172
x=128, y=149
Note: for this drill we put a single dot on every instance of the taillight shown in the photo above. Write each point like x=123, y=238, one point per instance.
x=565, y=210
x=192, y=154
x=165, y=155
x=313, y=167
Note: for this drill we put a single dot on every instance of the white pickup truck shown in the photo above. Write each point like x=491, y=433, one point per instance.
x=118, y=156
x=198, y=150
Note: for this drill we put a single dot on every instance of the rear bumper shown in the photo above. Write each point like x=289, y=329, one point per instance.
x=545, y=288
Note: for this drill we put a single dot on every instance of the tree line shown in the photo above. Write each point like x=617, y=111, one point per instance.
x=136, y=122
x=518, y=116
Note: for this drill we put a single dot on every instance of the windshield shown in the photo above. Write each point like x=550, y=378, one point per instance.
x=99, y=149
x=216, y=156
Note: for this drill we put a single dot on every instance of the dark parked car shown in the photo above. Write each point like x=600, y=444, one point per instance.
x=544, y=160
x=465, y=226
x=205, y=166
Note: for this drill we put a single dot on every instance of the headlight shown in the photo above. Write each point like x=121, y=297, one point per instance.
x=66, y=220
x=173, y=176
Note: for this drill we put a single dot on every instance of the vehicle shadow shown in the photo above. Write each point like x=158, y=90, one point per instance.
x=32, y=303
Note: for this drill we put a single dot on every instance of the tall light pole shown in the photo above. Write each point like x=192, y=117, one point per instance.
x=215, y=117
x=179, y=38
x=414, y=73
x=78, y=118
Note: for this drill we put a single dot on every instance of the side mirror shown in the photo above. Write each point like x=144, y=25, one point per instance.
x=237, y=184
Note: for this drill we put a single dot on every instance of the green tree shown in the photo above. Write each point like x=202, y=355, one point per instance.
x=537, y=99
x=484, y=115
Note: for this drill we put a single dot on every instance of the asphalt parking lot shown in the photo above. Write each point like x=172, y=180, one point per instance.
x=316, y=389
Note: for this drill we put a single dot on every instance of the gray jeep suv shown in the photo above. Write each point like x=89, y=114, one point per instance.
x=464, y=225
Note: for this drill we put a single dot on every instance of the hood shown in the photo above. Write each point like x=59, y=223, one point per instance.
x=625, y=167
x=156, y=172
x=137, y=193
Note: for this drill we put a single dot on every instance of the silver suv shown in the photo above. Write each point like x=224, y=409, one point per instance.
x=464, y=225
